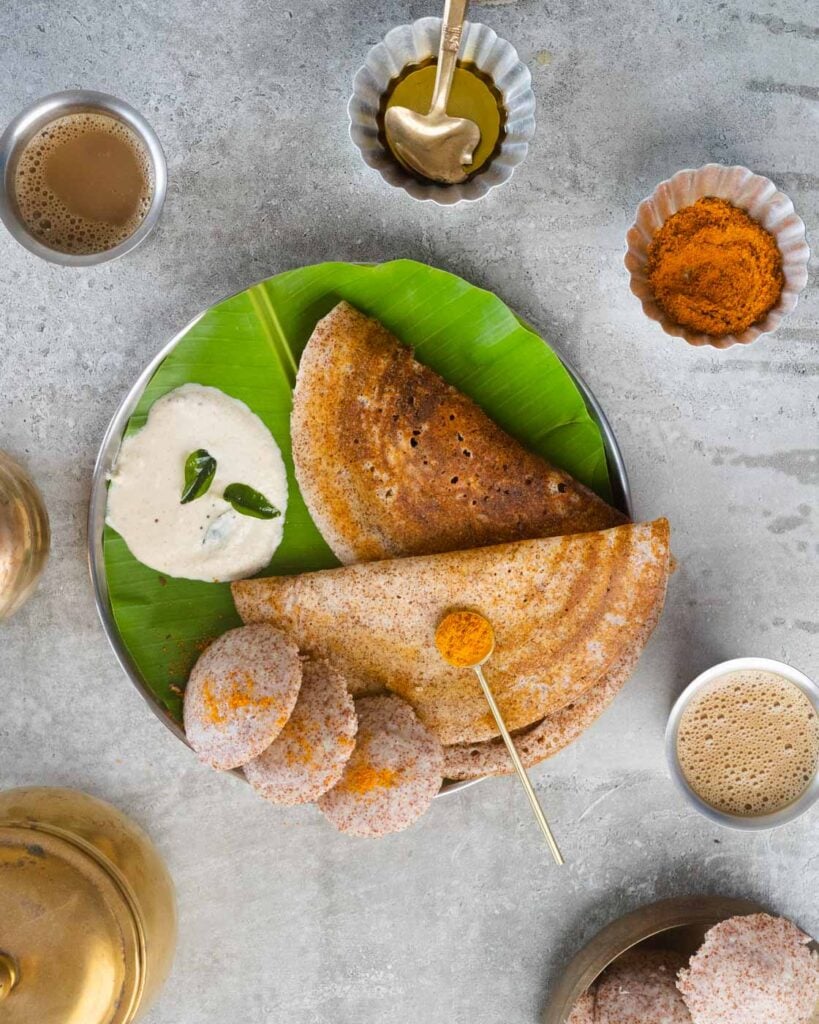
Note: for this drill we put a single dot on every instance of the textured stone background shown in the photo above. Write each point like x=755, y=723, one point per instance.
x=463, y=919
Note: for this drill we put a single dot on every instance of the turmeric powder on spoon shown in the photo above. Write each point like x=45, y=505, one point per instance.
x=714, y=269
x=464, y=638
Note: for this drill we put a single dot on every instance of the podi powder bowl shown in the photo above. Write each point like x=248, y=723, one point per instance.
x=759, y=197
x=746, y=824
x=26, y=125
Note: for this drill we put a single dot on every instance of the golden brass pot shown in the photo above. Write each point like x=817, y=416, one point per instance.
x=87, y=911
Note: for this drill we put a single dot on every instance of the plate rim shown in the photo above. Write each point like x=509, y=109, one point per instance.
x=112, y=439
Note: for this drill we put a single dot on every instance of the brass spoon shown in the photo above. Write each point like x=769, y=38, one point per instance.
x=484, y=655
x=434, y=145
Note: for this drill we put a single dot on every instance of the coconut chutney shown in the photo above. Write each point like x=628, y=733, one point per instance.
x=205, y=538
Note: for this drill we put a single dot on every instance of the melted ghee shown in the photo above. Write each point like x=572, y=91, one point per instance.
x=474, y=95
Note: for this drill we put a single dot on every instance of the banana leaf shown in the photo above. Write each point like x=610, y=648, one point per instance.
x=250, y=345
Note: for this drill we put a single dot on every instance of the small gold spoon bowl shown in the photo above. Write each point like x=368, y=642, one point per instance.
x=436, y=145
x=466, y=639
x=416, y=44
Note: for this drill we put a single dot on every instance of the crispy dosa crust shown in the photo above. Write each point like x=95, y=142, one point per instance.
x=547, y=737
x=565, y=611
x=392, y=461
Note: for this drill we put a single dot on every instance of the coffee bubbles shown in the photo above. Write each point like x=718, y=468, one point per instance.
x=748, y=743
x=83, y=184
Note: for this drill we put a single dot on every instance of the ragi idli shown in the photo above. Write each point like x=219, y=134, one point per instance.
x=240, y=694
x=308, y=756
x=755, y=969
x=393, y=775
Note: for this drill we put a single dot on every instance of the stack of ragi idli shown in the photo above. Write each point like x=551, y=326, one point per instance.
x=253, y=702
x=755, y=969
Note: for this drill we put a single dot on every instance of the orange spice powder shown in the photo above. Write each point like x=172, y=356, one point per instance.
x=300, y=751
x=714, y=269
x=363, y=778
x=237, y=697
x=464, y=638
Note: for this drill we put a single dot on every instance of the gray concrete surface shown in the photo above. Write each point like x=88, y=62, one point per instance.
x=463, y=919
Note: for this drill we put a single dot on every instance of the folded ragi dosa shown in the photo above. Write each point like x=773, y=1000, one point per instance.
x=392, y=460
x=566, y=612
x=546, y=737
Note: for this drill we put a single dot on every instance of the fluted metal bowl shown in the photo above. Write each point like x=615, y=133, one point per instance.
x=413, y=44
x=755, y=194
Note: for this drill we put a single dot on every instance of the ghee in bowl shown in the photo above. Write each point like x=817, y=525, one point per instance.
x=474, y=96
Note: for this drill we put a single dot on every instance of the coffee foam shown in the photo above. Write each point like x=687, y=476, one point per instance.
x=46, y=215
x=748, y=743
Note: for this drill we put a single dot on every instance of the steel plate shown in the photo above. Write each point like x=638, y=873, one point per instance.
x=621, y=498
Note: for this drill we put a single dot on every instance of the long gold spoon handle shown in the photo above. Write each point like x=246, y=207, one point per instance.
x=451, y=28
x=516, y=761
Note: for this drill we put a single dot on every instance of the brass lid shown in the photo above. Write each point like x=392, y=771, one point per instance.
x=71, y=950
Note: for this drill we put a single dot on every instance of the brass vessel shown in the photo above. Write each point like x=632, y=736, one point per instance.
x=87, y=911
x=24, y=535
x=678, y=924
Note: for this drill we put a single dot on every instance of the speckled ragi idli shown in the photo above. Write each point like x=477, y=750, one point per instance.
x=309, y=754
x=752, y=970
x=240, y=694
x=640, y=988
x=393, y=774
x=583, y=1010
